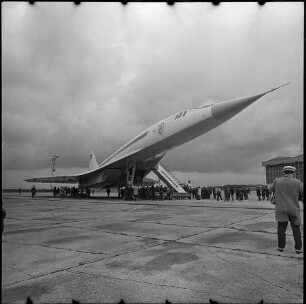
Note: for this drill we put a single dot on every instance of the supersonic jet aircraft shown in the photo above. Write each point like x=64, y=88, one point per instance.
x=133, y=161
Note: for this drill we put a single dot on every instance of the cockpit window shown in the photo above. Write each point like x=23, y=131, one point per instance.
x=203, y=106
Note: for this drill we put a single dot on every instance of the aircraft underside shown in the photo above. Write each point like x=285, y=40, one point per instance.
x=113, y=177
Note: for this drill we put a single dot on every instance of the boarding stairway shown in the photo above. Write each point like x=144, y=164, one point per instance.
x=168, y=178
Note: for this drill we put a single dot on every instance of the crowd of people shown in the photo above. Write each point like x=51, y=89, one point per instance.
x=220, y=193
x=263, y=193
x=227, y=192
x=70, y=192
x=130, y=193
x=224, y=193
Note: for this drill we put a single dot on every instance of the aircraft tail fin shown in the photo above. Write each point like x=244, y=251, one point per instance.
x=92, y=161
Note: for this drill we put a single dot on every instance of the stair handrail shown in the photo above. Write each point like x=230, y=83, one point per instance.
x=169, y=172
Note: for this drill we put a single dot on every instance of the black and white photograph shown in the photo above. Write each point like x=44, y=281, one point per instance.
x=152, y=152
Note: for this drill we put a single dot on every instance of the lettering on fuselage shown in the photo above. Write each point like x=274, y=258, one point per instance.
x=182, y=114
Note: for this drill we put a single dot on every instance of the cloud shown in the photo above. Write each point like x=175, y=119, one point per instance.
x=96, y=75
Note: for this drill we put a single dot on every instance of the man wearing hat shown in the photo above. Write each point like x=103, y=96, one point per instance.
x=287, y=190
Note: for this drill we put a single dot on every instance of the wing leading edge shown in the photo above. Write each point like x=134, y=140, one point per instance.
x=65, y=179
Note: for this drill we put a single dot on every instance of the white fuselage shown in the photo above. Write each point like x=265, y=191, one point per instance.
x=167, y=134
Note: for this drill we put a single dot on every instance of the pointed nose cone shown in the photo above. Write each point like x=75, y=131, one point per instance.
x=227, y=109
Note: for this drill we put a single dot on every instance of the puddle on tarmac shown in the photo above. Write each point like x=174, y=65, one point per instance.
x=167, y=260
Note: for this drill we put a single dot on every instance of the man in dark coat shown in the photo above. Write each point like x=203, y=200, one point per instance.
x=267, y=193
x=108, y=191
x=33, y=191
x=232, y=191
x=3, y=215
x=287, y=190
x=263, y=193
x=258, y=192
x=226, y=193
x=218, y=191
x=153, y=193
x=214, y=192
x=161, y=193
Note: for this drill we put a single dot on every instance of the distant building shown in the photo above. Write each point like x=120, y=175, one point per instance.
x=275, y=166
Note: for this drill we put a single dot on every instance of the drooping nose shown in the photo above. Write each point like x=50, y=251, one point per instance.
x=226, y=109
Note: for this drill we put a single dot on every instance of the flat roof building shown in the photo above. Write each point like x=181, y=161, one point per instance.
x=274, y=167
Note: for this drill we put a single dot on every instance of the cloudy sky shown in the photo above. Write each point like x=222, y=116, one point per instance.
x=97, y=74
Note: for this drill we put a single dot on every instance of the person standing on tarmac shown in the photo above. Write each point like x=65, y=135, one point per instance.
x=108, y=192
x=161, y=193
x=263, y=193
x=226, y=193
x=237, y=192
x=33, y=191
x=199, y=193
x=136, y=192
x=258, y=192
x=214, y=192
x=218, y=191
x=245, y=193
x=287, y=190
x=168, y=193
x=267, y=192
x=3, y=215
x=153, y=193
x=232, y=192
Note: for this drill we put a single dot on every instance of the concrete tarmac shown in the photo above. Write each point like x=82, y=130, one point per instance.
x=184, y=251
